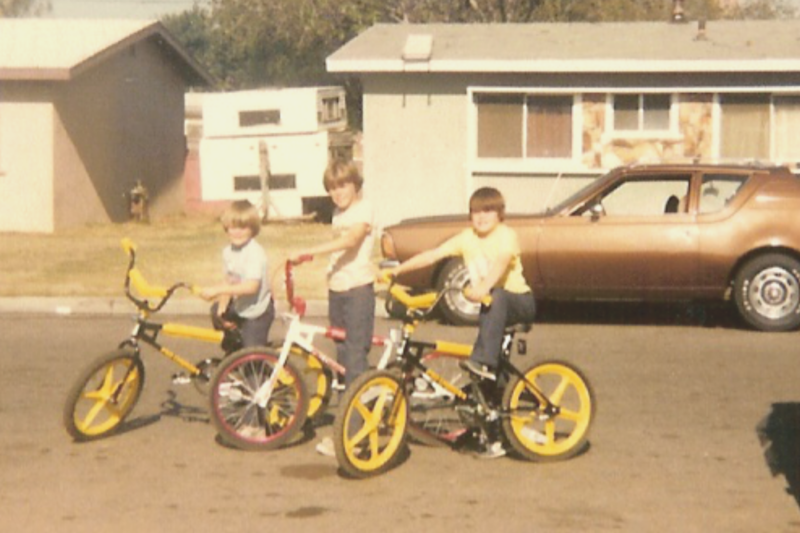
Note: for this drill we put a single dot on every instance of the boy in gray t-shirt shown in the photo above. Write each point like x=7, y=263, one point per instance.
x=243, y=299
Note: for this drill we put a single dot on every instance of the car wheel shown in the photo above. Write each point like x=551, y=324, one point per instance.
x=767, y=292
x=455, y=307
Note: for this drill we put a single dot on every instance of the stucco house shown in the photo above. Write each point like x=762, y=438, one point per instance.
x=87, y=108
x=537, y=110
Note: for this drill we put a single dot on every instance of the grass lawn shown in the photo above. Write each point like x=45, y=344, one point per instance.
x=90, y=261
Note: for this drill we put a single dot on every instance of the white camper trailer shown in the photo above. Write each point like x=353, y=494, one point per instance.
x=294, y=129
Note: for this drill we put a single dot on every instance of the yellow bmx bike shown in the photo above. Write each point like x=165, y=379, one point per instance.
x=108, y=388
x=542, y=412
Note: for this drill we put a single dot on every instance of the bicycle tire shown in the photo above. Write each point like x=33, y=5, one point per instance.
x=433, y=419
x=370, y=431
x=103, y=395
x=537, y=437
x=235, y=413
x=318, y=380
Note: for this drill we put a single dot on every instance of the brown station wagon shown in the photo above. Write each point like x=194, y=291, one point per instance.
x=689, y=232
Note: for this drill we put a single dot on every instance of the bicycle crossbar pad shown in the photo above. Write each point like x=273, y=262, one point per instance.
x=192, y=332
x=339, y=334
x=454, y=348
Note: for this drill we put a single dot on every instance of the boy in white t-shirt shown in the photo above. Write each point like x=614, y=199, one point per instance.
x=351, y=293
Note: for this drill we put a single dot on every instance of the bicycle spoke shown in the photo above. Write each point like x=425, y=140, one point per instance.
x=558, y=393
x=572, y=416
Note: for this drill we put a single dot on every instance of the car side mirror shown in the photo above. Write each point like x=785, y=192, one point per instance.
x=597, y=211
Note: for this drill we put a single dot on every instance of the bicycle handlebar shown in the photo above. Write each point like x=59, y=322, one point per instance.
x=421, y=303
x=134, y=277
x=297, y=304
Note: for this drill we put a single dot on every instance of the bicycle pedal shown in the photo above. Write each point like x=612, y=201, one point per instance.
x=181, y=379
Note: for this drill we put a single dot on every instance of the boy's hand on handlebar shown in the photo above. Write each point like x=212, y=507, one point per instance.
x=206, y=293
x=387, y=275
x=478, y=296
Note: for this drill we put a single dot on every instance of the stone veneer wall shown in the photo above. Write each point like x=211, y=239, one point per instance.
x=601, y=150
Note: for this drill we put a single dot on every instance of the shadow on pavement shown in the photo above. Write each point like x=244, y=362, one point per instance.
x=779, y=434
x=676, y=314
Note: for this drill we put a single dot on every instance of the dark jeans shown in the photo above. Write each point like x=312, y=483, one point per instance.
x=253, y=331
x=354, y=312
x=507, y=309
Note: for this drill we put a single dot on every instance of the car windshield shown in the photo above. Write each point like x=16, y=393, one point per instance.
x=585, y=192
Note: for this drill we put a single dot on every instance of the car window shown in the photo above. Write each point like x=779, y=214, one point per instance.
x=717, y=190
x=648, y=196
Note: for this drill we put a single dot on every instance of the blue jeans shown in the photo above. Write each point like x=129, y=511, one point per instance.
x=507, y=309
x=354, y=312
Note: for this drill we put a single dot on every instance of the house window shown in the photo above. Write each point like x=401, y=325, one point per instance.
x=745, y=126
x=253, y=183
x=642, y=112
x=332, y=110
x=786, y=128
x=500, y=125
x=259, y=117
x=549, y=126
x=524, y=126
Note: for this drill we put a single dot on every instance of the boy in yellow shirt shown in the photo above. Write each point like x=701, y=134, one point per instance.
x=491, y=252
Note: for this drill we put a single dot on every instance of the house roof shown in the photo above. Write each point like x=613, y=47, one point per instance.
x=724, y=46
x=61, y=49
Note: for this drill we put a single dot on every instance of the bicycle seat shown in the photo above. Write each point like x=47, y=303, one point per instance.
x=518, y=328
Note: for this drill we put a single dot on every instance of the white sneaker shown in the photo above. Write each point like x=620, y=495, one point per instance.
x=181, y=379
x=325, y=447
x=493, y=450
x=478, y=369
x=536, y=436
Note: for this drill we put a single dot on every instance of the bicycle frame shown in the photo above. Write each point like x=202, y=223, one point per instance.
x=410, y=352
x=302, y=335
x=108, y=388
x=147, y=331
x=542, y=412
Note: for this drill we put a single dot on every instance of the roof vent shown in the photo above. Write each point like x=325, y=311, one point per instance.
x=418, y=48
x=678, y=14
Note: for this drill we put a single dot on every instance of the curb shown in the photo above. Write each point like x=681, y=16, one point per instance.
x=65, y=306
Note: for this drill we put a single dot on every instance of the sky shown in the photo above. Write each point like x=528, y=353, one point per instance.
x=127, y=9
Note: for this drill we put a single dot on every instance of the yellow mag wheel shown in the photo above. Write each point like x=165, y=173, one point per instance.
x=104, y=394
x=542, y=437
x=369, y=433
x=318, y=380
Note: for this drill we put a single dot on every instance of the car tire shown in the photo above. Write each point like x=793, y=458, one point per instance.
x=767, y=292
x=455, y=307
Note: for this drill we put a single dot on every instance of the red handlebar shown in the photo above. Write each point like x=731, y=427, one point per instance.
x=305, y=258
x=296, y=303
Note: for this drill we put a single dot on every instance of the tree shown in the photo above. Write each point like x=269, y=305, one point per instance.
x=18, y=8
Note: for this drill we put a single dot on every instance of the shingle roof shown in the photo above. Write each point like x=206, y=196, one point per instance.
x=727, y=46
x=60, y=49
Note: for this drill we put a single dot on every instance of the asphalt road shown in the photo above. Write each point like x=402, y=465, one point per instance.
x=673, y=447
